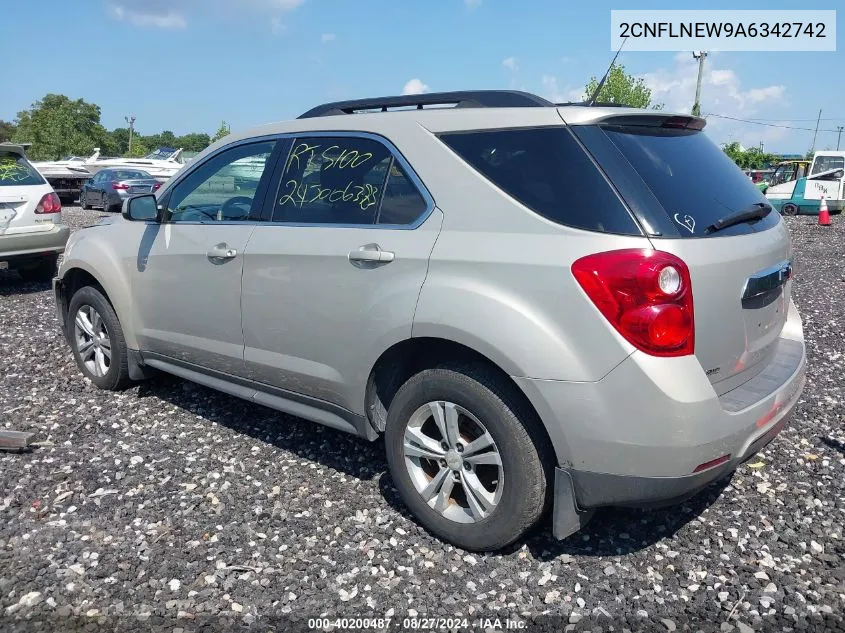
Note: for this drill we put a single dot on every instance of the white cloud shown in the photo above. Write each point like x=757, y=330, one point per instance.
x=472, y=4
x=414, y=87
x=553, y=92
x=723, y=93
x=510, y=63
x=327, y=37
x=277, y=26
x=173, y=14
x=154, y=15
x=721, y=88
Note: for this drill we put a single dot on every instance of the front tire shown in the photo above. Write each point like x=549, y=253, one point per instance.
x=97, y=341
x=790, y=209
x=82, y=201
x=467, y=457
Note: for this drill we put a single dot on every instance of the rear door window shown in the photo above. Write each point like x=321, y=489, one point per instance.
x=688, y=175
x=15, y=170
x=546, y=170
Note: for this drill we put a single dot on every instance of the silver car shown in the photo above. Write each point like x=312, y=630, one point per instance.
x=536, y=305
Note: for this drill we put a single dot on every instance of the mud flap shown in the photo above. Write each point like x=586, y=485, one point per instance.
x=567, y=518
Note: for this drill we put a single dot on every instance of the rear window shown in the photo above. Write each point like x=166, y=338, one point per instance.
x=15, y=170
x=130, y=175
x=547, y=171
x=694, y=181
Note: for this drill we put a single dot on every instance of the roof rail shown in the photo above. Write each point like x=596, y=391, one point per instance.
x=597, y=104
x=459, y=99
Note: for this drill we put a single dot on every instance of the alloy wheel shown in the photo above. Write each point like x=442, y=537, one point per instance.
x=453, y=462
x=92, y=340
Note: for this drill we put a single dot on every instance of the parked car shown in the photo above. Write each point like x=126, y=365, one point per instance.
x=31, y=231
x=536, y=305
x=108, y=188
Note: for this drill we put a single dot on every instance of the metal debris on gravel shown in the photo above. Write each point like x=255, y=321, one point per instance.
x=174, y=504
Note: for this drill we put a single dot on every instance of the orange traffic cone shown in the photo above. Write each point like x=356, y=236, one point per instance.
x=824, y=214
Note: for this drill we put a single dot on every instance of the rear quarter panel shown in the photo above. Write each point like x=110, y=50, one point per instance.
x=499, y=279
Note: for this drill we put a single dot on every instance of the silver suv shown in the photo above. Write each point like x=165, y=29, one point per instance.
x=535, y=304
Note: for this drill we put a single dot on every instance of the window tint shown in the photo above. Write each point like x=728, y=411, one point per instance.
x=547, y=171
x=402, y=203
x=15, y=170
x=223, y=187
x=695, y=182
x=332, y=181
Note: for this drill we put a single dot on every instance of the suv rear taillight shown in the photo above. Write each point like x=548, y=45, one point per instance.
x=157, y=186
x=50, y=203
x=646, y=295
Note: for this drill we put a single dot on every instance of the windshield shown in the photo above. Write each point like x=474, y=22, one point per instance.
x=694, y=181
x=162, y=153
x=826, y=163
x=15, y=170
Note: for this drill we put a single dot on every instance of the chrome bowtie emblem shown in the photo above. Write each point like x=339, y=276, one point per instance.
x=687, y=221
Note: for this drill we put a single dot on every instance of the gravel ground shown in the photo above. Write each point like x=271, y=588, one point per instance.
x=175, y=506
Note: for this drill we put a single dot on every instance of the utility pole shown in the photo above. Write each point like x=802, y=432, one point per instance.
x=816, y=133
x=131, y=121
x=839, y=128
x=700, y=56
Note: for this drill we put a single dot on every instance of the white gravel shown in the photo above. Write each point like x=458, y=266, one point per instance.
x=176, y=506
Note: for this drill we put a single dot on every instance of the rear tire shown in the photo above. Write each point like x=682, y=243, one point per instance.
x=43, y=272
x=790, y=209
x=516, y=489
x=82, y=202
x=96, y=339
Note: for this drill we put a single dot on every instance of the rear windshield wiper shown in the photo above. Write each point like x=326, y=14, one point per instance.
x=757, y=211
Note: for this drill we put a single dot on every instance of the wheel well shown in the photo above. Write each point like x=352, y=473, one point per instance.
x=76, y=278
x=411, y=356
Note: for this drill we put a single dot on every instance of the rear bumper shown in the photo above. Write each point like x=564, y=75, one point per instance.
x=642, y=435
x=26, y=245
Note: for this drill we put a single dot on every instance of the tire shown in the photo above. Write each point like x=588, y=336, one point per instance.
x=111, y=376
x=519, y=483
x=82, y=201
x=43, y=272
x=790, y=209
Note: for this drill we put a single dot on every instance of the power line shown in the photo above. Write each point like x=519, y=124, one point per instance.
x=787, y=127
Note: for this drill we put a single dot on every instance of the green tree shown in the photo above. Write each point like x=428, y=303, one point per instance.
x=622, y=88
x=222, y=131
x=58, y=126
x=139, y=148
x=7, y=130
x=120, y=140
x=193, y=142
x=752, y=158
x=162, y=139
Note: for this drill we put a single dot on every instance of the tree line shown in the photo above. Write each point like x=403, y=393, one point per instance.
x=58, y=126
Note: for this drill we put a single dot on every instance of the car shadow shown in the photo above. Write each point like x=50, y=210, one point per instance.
x=343, y=452
x=12, y=284
x=611, y=532
x=834, y=444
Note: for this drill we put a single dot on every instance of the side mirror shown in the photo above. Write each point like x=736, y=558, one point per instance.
x=141, y=209
x=840, y=174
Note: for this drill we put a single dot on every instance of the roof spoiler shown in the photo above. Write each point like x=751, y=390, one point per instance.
x=656, y=119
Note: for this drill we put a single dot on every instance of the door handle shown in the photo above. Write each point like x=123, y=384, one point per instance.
x=222, y=251
x=371, y=253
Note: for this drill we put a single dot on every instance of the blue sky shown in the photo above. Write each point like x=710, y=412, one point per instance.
x=185, y=65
